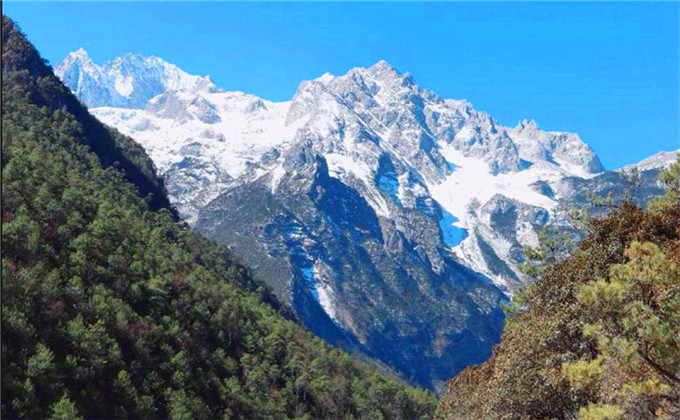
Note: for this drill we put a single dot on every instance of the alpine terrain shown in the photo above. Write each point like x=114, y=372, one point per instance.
x=393, y=221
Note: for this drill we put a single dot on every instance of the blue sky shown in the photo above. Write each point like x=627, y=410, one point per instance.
x=609, y=71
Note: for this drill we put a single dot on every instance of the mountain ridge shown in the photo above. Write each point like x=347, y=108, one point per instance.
x=656, y=161
x=125, y=81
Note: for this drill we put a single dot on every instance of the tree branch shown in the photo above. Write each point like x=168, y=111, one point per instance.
x=660, y=369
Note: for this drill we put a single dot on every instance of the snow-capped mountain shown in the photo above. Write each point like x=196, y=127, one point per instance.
x=391, y=219
x=657, y=161
x=445, y=151
x=129, y=81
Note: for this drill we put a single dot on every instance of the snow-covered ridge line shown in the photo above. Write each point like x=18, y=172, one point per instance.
x=657, y=161
x=129, y=81
x=438, y=151
x=132, y=80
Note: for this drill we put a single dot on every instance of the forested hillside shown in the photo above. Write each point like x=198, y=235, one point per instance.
x=113, y=309
x=598, y=336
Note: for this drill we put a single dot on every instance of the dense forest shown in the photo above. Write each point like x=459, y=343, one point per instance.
x=113, y=308
x=598, y=335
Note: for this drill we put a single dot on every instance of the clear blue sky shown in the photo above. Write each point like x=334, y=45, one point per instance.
x=608, y=71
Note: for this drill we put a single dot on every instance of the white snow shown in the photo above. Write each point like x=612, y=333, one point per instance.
x=324, y=292
x=659, y=160
x=341, y=166
x=241, y=137
x=471, y=180
x=326, y=77
x=183, y=116
x=276, y=174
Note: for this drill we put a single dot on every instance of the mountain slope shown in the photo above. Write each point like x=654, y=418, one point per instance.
x=111, y=309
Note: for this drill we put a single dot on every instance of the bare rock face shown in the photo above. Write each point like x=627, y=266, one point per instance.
x=393, y=221
x=565, y=148
x=204, y=110
x=358, y=279
x=92, y=86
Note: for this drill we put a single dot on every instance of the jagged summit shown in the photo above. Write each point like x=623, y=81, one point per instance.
x=79, y=59
x=87, y=81
x=527, y=125
x=565, y=149
x=384, y=70
x=383, y=65
x=129, y=81
x=380, y=75
x=387, y=101
x=80, y=52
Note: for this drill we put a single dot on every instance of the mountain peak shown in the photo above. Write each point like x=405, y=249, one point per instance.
x=378, y=70
x=129, y=80
x=79, y=56
x=80, y=52
x=383, y=65
x=382, y=70
x=326, y=77
x=128, y=57
x=527, y=125
x=137, y=60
